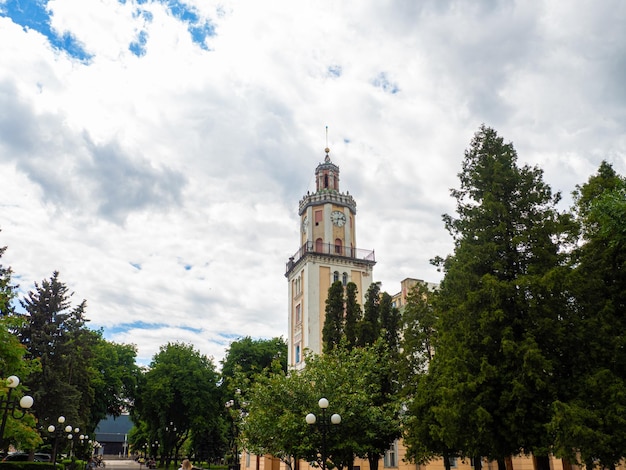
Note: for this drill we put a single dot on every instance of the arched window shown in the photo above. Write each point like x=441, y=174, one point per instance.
x=319, y=245
x=338, y=246
x=335, y=276
x=344, y=278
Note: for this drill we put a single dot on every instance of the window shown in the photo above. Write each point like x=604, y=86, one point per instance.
x=298, y=354
x=319, y=245
x=318, y=217
x=335, y=276
x=338, y=246
x=298, y=314
x=390, y=457
x=344, y=279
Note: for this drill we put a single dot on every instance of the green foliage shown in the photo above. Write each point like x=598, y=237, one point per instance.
x=26, y=465
x=353, y=315
x=350, y=380
x=114, y=378
x=589, y=421
x=418, y=332
x=7, y=289
x=249, y=357
x=499, y=332
x=332, y=330
x=177, y=398
x=369, y=326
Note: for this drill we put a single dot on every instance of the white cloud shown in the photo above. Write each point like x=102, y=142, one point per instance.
x=163, y=182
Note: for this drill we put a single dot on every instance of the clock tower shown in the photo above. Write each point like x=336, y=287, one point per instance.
x=327, y=253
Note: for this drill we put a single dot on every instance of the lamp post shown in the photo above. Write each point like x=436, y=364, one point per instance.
x=70, y=437
x=53, y=430
x=10, y=405
x=235, y=406
x=324, y=425
x=170, y=444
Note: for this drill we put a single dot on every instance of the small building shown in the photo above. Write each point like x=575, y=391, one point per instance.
x=112, y=435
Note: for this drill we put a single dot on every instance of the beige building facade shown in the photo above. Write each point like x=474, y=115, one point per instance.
x=328, y=252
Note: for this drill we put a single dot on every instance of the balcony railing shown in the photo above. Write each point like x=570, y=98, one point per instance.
x=331, y=250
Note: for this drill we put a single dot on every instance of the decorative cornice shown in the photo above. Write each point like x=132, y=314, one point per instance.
x=327, y=196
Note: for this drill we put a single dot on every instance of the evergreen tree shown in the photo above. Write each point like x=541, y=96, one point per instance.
x=499, y=331
x=353, y=315
x=55, y=334
x=390, y=323
x=332, y=330
x=369, y=326
x=590, y=420
x=7, y=288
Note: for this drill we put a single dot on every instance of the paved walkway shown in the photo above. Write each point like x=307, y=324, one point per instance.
x=123, y=465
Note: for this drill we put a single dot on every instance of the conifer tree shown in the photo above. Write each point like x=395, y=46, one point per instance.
x=369, y=326
x=334, y=319
x=499, y=331
x=589, y=420
x=353, y=315
x=55, y=333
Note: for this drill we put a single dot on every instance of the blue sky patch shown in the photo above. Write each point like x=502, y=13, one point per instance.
x=138, y=47
x=32, y=14
x=335, y=71
x=137, y=266
x=198, y=28
x=382, y=82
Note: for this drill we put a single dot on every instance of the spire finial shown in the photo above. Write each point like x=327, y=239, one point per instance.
x=327, y=150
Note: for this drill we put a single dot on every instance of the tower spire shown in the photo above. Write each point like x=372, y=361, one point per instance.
x=327, y=150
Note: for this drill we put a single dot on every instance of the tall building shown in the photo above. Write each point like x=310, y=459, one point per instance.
x=328, y=252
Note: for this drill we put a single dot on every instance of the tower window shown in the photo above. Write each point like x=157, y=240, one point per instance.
x=344, y=279
x=298, y=358
x=298, y=314
x=318, y=217
x=338, y=246
x=319, y=245
x=335, y=276
x=326, y=181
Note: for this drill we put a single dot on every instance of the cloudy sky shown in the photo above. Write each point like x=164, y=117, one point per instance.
x=154, y=151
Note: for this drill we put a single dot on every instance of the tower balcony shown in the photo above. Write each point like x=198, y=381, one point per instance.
x=330, y=249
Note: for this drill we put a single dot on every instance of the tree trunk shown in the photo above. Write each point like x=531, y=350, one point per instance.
x=501, y=464
x=373, y=460
x=478, y=463
x=446, y=460
x=541, y=462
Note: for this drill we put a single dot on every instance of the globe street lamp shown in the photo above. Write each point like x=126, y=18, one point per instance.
x=70, y=437
x=236, y=407
x=323, y=425
x=52, y=430
x=10, y=405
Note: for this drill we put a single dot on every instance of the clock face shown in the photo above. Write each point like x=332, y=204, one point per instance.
x=338, y=218
x=305, y=224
